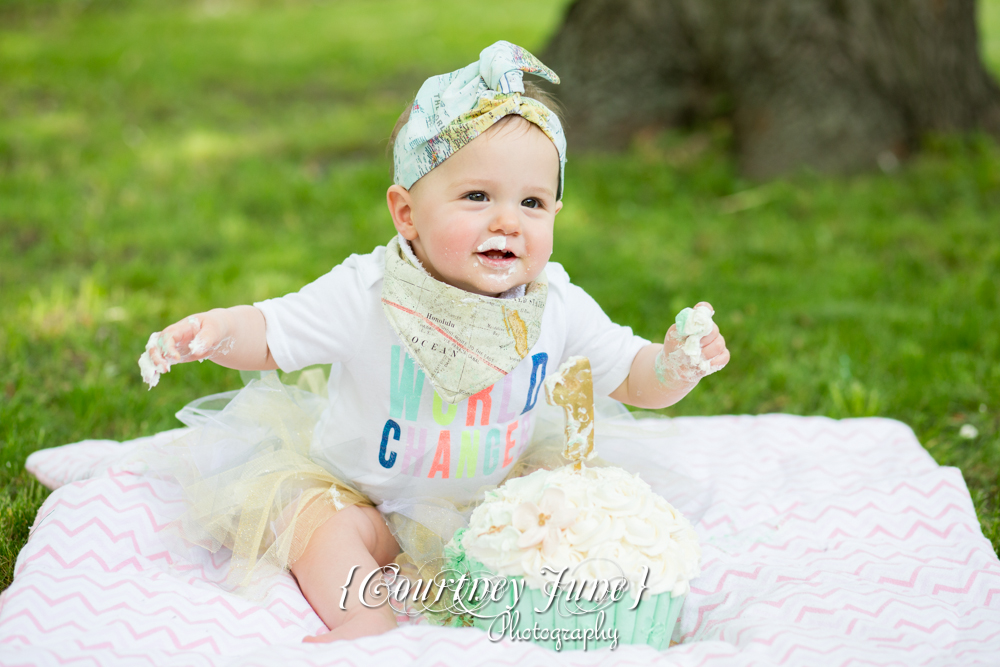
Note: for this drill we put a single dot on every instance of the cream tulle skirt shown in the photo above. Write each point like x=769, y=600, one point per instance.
x=251, y=487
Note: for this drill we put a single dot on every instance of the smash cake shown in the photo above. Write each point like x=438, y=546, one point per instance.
x=581, y=556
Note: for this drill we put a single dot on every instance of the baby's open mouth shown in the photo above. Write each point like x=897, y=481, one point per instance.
x=498, y=254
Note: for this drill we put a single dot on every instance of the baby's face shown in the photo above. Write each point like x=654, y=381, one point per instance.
x=482, y=221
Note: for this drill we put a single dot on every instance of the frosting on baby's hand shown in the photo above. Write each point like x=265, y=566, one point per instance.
x=150, y=371
x=184, y=341
x=693, y=324
x=687, y=362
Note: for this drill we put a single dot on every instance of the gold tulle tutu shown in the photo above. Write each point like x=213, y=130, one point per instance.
x=247, y=477
x=251, y=486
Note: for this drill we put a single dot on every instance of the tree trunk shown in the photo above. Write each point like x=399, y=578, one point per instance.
x=835, y=85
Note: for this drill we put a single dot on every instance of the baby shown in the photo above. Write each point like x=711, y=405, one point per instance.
x=440, y=341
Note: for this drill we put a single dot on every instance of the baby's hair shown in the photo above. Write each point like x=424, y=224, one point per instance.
x=531, y=90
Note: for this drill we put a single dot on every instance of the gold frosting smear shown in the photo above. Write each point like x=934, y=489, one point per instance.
x=518, y=330
x=572, y=389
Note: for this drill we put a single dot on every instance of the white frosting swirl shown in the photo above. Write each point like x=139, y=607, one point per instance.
x=619, y=518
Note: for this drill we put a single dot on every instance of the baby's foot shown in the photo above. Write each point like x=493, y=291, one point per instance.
x=365, y=623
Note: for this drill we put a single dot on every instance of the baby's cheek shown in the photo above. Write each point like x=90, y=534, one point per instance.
x=450, y=256
x=538, y=260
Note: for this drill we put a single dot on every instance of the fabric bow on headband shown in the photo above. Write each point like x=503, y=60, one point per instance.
x=452, y=109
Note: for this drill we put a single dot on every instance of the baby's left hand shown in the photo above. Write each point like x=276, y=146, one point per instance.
x=662, y=375
x=680, y=358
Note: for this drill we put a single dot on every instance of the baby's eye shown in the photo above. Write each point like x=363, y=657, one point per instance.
x=531, y=202
x=476, y=196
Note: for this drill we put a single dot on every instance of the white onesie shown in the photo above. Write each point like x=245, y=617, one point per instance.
x=385, y=429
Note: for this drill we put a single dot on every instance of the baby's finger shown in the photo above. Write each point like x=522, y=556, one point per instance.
x=206, y=342
x=156, y=359
x=211, y=340
x=155, y=354
x=177, y=337
x=720, y=361
x=710, y=338
x=717, y=347
x=191, y=349
x=707, y=305
x=168, y=346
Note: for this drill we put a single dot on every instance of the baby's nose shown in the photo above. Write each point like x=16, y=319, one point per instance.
x=506, y=220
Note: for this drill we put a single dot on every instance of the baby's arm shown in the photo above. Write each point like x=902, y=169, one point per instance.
x=231, y=337
x=661, y=375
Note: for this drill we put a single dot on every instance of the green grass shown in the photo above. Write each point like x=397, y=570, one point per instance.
x=158, y=159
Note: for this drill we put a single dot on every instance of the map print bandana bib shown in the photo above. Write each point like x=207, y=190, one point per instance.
x=464, y=342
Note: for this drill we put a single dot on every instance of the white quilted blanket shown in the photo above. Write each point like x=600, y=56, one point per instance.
x=824, y=543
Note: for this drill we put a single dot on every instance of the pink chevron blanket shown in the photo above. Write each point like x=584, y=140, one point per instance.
x=824, y=543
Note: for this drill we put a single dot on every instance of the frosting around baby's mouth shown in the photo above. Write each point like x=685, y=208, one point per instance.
x=493, y=243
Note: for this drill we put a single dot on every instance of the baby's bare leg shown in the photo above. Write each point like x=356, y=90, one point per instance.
x=356, y=535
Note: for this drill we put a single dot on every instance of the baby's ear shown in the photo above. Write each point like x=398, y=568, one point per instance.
x=400, y=204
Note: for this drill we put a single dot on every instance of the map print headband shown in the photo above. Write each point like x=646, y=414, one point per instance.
x=453, y=109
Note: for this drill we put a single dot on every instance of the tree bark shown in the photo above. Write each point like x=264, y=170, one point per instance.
x=835, y=85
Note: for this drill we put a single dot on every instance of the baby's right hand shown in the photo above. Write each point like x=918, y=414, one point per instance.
x=194, y=338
